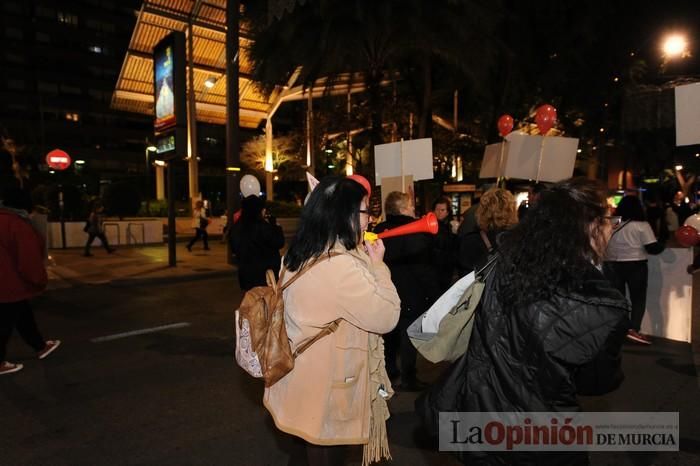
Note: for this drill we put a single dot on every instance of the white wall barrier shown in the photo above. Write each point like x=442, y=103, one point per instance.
x=125, y=232
x=669, y=295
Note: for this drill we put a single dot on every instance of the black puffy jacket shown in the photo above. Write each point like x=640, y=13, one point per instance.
x=538, y=358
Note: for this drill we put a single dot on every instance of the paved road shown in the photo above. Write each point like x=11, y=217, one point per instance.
x=176, y=397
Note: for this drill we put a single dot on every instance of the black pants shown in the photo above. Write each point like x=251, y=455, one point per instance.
x=19, y=315
x=304, y=453
x=199, y=233
x=397, y=343
x=633, y=276
x=91, y=238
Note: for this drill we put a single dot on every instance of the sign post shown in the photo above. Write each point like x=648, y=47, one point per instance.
x=170, y=124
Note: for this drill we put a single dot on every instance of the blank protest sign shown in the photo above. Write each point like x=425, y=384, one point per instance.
x=521, y=158
x=417, y=159
x=687, y=114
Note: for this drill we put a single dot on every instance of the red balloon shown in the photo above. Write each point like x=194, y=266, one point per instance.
x=545, y=118
x=505, y=125
x=687, y=236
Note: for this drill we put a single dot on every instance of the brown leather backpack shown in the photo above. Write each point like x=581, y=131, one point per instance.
x=262, y=344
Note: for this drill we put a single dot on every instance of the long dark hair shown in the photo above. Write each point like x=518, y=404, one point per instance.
x=630, y=208
x=551, y=247
x=330, y=215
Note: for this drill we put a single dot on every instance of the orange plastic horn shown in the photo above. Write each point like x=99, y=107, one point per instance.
x=426, y=224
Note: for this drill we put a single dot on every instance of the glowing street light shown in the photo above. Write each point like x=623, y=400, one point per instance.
x=675, y=46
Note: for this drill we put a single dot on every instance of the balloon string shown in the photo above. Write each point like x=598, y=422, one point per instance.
x=539, y=165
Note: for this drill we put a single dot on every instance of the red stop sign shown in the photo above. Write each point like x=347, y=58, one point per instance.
x=58, y=159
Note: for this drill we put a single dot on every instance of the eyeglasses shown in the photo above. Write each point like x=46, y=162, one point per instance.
x=614, y=220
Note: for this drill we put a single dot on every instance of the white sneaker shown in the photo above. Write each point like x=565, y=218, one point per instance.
x=50, y=347
x=8, y=367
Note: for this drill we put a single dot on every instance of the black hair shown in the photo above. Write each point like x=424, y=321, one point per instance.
x=331, y=215
x=551, y=247
x=251, y=209
x=443, y=200
x=630, y=208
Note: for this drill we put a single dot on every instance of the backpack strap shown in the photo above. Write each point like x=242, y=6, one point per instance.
x=327, y=330
x=301, y=271
x=485, y=239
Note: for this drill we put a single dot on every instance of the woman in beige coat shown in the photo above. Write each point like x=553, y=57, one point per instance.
x=336, y=394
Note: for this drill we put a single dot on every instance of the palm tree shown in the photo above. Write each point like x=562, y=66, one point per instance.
x=327, y=38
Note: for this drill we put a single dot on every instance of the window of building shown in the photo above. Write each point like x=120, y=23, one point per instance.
x=12, y=7
x=44, y=11
x=17, y=108
x=48, y=88
x=49, y=113
x=67, y=18
x=14, y=33
x=43, y=37
x=15, y=58
x=95, y=94
x=66, y=89
x=73, y=116
x=15, y=84
x=95, y=49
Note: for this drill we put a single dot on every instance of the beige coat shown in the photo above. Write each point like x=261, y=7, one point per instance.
x=325, y=398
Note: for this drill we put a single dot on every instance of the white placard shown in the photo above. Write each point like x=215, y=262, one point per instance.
x=491, y=164
x=524, y=152
x=687, y=114
x=417, y=159
x=521, y=158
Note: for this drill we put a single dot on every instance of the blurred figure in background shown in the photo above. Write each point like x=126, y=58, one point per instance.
x=444, y=244
x=94, y=227
x=256, y=240
x=626, y=260
x=200, y=222
x=495, y=214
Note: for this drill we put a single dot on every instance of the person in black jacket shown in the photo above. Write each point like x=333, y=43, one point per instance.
x=549, y=325
x=444, y=244
x=256, y=240
x=409, y=260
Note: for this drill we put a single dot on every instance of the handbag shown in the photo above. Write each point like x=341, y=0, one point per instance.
x=452, y=337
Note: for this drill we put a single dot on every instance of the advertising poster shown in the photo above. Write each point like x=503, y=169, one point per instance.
x=165, y=98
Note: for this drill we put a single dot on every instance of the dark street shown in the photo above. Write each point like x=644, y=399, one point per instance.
x=176, y=396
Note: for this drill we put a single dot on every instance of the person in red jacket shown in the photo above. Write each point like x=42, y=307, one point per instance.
x=23, y=277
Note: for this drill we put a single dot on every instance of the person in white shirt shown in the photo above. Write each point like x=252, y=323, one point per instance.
x=626, y=260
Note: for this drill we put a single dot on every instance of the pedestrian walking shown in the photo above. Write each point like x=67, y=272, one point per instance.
x=94, y=227
x=23, y=277
x=256, y=240
x=336, y=394
x=200, y=222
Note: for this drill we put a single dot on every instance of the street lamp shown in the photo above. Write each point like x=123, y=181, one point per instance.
x=675, y=46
